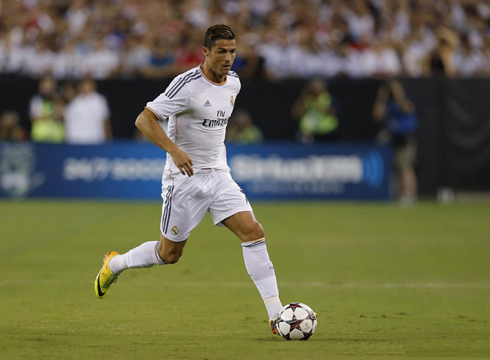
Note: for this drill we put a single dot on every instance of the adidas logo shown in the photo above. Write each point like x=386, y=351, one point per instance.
x=207, y=103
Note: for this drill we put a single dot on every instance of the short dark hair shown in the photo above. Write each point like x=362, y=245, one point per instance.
x=217, y=32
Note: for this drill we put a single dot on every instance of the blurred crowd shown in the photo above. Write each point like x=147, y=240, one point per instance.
x=72, y=39
x=74, y=113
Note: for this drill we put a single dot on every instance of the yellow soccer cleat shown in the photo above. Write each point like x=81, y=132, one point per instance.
x=272, y=324
x=105, y=278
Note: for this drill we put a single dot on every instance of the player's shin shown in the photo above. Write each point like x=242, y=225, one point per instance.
x=144, y=256
x=261, y=271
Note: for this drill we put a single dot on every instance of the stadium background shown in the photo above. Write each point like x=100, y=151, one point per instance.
x=440, y=50
x=388, y=280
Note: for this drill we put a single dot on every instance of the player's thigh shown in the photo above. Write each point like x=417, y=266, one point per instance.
x=228, y=199
x=231, y=208
x=182, y=210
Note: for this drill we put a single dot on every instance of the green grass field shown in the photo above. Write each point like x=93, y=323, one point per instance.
x=387, y=282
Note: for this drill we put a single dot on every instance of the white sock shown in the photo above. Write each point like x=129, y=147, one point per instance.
x=261, y=271
x=144, y=256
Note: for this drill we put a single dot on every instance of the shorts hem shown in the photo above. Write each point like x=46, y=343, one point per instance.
x=217, y=221
x=173, y=238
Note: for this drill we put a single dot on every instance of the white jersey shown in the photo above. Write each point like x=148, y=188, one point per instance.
x=85, y=119
x=197, y=110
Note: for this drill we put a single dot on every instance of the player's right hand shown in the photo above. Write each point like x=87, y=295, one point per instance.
x=183, y=162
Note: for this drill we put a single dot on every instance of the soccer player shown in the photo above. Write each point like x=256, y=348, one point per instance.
x=196, y=179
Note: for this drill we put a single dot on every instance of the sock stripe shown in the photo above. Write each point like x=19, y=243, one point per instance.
x=157, y=255
x=253, y=243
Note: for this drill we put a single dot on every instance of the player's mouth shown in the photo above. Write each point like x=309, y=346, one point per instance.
x=226, y=67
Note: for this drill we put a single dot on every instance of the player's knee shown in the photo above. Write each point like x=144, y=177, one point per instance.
x=171, y=257
x=253, y=232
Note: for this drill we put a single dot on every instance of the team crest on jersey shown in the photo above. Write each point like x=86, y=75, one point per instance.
x=232, y=101
x=175, y=230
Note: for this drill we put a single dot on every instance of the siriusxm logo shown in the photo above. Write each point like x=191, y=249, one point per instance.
x=333, y=169
x=310, y=169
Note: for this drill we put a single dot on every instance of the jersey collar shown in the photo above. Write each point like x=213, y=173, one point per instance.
x=212, y=82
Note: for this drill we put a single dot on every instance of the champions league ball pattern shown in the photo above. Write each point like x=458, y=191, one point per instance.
x=296, y=321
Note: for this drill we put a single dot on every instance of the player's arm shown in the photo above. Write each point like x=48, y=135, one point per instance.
x=147, y=123
x=400, y=97
x=107, y=129
x=379, y=108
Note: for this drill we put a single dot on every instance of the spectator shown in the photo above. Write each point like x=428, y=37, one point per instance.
x=359, y=19
x=10, y=129
x=77, y=15
x=137, y=55
x=440, y=61
x=45, y=112
x=15, y=55
x=316, y=114
x=102, y=63
x=68, y=63
x=248, y=63
x=39, y=61
x=416, y=50
x=162, y=60
x=469, y=61
x=4, y=53
x=277, y=55
x=381, y=61
x=349, y=61
x=396, y=113
x=190, y=55
x=87, y=116
x=341, y=36
x=242, y=130
x=68, y=92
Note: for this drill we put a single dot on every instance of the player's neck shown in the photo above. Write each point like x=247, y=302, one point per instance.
x=211, y=75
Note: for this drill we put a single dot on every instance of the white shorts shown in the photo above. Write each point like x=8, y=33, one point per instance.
x=186, y=203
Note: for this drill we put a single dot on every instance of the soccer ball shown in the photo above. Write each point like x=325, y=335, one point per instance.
x=296, y=321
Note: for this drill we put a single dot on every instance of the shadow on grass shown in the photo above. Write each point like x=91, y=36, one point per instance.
x=327, y=340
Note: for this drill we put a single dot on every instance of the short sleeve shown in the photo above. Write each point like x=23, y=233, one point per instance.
x=235, y=76
x=173, y=101
x=35, y=107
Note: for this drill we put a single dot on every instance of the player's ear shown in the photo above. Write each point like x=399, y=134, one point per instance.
x=205, y=51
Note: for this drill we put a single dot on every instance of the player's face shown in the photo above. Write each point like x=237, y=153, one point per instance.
x=221, y=56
